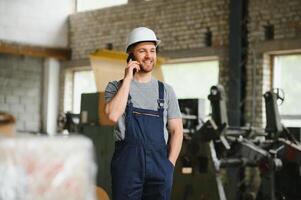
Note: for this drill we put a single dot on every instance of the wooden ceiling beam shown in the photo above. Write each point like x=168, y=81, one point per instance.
x=34, y=51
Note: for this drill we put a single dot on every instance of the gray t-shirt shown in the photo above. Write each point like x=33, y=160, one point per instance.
x=145, y=95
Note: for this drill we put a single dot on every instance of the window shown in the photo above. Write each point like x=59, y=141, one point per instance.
x=85, y=5
x=83, y=82
x=192, y=79
x=287, y=71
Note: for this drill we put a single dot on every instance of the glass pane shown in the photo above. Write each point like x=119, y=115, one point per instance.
x=192, y=80
x=84, y=5
x=287, y=71
x=83, y=82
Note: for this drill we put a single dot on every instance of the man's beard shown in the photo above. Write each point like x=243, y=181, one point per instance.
x=146, y=69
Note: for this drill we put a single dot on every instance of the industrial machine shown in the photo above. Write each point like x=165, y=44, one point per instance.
x=210, y=154
x=194, y=175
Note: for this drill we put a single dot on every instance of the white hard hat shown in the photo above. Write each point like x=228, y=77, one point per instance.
x=141, y=34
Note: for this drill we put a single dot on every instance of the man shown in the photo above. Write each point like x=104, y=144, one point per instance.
x=147, y=117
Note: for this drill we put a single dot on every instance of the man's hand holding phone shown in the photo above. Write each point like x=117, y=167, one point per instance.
x=132, y=67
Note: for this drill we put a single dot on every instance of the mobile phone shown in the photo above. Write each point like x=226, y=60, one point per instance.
x=131, y=57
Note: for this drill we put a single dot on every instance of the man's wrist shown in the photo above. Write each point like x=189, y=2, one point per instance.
x=127, y=80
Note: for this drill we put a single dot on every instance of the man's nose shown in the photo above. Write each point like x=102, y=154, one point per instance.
x=148, y=54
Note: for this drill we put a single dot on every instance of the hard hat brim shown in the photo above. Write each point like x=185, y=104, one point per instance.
x=157, y=42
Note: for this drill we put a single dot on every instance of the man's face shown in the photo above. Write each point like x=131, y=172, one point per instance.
x=145, y=54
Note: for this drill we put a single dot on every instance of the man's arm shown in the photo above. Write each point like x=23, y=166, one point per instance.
x=175, y=127
x=116, y=106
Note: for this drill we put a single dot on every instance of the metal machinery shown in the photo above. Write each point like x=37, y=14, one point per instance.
x=194, y=166
x=215, y=146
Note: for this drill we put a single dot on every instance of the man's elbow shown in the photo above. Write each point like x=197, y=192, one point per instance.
x=180, y=134
x=110, y=115
x=113, y=118
x=177, y=132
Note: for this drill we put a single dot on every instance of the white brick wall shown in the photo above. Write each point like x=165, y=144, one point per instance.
x=20, y=90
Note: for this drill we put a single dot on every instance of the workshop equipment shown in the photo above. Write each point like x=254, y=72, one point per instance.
x=216, y=146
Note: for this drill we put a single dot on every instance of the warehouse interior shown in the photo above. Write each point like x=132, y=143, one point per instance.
x=234, y=66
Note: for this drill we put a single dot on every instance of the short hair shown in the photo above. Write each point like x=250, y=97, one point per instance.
x=131, y=48
x=6, y=118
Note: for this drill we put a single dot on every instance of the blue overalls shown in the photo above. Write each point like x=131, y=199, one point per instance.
x=140, y=167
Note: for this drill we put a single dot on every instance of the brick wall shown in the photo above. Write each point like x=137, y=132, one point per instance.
x=181, y=26
x=20, y=90
x=286, y=18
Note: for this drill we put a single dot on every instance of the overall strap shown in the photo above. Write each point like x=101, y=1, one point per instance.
x=161, y=95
